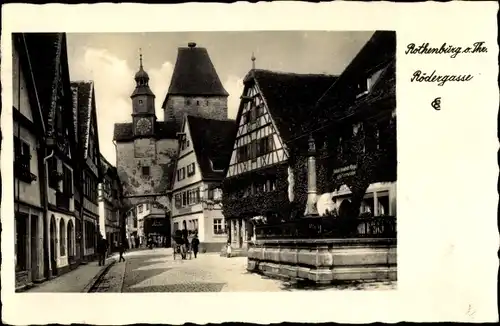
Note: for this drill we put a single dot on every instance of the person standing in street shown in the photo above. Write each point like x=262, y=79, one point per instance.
x=195, y=244
x=102, y=247
x=122, y=251
x=228, y=250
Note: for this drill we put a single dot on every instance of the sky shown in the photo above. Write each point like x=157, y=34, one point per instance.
x=112, y=59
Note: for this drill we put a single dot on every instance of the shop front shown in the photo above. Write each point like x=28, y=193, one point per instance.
x=157, y=229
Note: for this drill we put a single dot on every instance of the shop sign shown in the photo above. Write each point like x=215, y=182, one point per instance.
x=346, y=171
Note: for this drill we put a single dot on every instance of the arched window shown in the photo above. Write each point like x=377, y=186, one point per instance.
x=69, y=235
x=62, y=238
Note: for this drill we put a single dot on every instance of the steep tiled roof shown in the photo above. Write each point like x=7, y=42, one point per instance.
x=44, y=50
x=107, y=168
x=290, y=97
x=212, y=141
x=163, y=130
x=194, y=74
x=83, y=108
x=378, y=53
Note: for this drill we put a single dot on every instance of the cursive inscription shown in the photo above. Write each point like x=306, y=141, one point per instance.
x=419, y=76
x=448, y=49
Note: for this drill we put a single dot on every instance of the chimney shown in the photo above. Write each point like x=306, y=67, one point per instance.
x=192, y=44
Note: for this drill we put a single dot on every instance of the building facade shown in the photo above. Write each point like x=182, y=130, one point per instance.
x=204, y=150
x=357, y=165
x=28, y=171
x=89, y=161
x=47, y=58
x=147, y=148
x=131, y=228
x=110, y=205
x=257, y=185
x=342, y=171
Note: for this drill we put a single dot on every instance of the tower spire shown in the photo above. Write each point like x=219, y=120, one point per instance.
x=140, y=58
x=253, y=61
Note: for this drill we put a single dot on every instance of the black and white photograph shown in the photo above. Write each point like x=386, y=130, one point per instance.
x=204, y=162
x=249, y=162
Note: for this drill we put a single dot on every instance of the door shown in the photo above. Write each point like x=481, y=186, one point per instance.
x=34, y=247
x=53, y=245
x=78, y=238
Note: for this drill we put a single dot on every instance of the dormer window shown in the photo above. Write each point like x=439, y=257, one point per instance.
x=365, y=86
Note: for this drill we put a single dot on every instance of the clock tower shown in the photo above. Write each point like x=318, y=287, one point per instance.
x=143, y=105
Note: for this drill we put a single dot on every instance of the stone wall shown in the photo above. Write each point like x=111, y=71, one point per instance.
x=213, y=107
x=325, y=260
x=158, y=155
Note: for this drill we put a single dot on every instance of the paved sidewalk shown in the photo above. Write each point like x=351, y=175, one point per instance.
x=156, y=271
x=74, y=281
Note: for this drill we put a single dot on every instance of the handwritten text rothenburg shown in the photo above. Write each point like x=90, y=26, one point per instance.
x=425, y=48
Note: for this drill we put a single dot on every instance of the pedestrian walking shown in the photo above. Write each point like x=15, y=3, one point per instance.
x=102, y=247
x=228, y=250
x=195, y=244
x=122, y=251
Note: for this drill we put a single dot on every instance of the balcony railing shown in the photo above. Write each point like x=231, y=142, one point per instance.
x=22, y=168
x=330, y=227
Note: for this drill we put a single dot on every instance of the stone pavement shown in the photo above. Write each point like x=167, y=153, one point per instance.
x=156, y=271
x=76, y=280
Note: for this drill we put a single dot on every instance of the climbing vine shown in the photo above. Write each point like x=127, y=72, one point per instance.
x=274, y=205
x=369, y=155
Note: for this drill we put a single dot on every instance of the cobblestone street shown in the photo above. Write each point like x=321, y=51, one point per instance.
x=156, y=271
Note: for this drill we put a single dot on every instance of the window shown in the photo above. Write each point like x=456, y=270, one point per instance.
x=178, y=200
x=176, y=226
x=197, y=102
x=62, y=238
x=145, y=170
x=181, y=174
x=67, y=181
x=89, y=235
x=210, y=194
x=184, y=143
x=140, y=101
x=139, y=207
x=191, y=169
x=193, y=196
x=135, y=222
x=244, y=118
x=188, y=101
x=184, y=199
x=21, y=241
x=218, y=228
x=22, y=160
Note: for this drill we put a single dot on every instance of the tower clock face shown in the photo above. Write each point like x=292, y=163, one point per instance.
x=143, y=126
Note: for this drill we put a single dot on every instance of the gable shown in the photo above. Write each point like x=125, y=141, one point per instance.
x=212, y=143
x=25, y=95
x=187, y=170
x=258, y=143
x=20, y=96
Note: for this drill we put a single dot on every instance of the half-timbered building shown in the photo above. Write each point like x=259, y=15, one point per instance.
x=273, y=104
x=357, y=164
x=110, y=208
x=49, y=64
x=28, y=174
x=205, y=146
x=89, y=174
